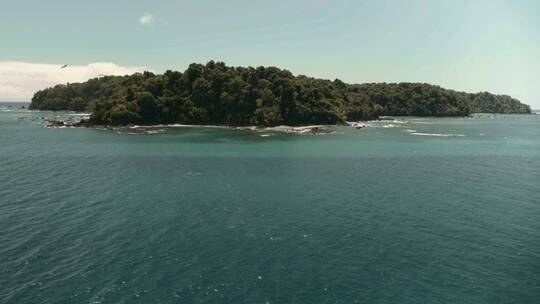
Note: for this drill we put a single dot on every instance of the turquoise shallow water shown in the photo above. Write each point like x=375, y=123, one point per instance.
x=418, y=210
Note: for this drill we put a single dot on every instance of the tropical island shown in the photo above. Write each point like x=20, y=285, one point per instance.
x=217, y=94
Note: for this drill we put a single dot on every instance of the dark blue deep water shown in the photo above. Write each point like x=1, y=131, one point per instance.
x=416, y=210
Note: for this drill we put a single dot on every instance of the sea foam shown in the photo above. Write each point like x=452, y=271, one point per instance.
x=438, y=134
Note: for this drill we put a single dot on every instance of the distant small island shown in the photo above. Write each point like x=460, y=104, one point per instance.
x=264, y=96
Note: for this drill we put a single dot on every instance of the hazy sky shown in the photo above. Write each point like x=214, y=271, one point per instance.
x=468, y=45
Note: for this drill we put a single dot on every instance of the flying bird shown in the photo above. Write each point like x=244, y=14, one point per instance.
x=64, y=66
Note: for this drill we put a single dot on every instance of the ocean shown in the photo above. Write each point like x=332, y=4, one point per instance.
x=410, y=210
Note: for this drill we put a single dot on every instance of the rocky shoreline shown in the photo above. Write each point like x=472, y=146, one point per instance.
x=72, y=122
x=153, y=129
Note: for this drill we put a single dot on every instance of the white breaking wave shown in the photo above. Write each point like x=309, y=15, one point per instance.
x=399, y=121
x=383, y=126
x=438, y=134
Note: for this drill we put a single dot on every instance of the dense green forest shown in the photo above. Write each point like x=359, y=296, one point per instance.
x=217, y=94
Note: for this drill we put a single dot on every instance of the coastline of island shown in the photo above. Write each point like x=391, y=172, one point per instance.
x=215, y=94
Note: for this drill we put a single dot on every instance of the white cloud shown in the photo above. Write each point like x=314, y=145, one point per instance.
x=20, y=80
x=146, y=19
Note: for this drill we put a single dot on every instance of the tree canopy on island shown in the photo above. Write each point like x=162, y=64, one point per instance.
x=217, y=94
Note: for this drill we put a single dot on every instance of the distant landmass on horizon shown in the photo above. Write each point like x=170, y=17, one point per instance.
x=264, y=96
